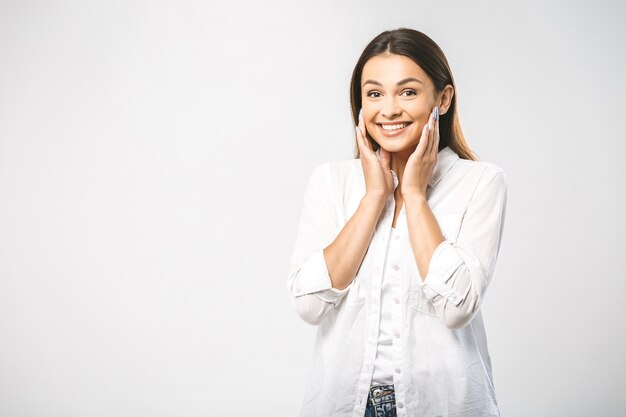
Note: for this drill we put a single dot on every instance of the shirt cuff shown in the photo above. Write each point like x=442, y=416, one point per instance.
x=332, y=295
x=313, y=277
x=443, y=265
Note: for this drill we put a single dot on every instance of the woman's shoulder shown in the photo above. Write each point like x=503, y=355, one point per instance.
x=488, y=170
x=340, y=164
x=337, y=171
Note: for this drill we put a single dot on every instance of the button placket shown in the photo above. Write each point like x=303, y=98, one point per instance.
x=379, y=261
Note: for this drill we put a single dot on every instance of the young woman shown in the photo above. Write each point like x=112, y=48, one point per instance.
x=396, y=248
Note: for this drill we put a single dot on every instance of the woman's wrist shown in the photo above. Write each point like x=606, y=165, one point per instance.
x=415, y=200
x=375, y=199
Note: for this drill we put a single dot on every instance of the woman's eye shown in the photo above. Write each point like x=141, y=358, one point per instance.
x=409, y=91
x=373, y=92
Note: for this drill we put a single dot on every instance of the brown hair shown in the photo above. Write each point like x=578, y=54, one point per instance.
x=427, y=54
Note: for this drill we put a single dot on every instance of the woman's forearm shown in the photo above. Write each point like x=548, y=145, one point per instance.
x=424, y=232
x=344, y=255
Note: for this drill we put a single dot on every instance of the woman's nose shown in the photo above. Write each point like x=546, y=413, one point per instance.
x=391, y=108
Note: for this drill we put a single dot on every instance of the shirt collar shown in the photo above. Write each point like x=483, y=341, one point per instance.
x=445, y=159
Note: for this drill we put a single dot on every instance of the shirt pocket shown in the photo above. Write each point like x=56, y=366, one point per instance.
x=419, y=303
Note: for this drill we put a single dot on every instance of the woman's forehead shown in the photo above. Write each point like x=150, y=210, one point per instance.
x=390, y=68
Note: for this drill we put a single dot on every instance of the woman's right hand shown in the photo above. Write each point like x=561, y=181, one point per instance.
x=378, y=178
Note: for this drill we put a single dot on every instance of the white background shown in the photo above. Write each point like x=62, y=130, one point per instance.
x=153, y=158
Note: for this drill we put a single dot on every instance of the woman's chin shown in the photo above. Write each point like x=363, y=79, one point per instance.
x=393, y=146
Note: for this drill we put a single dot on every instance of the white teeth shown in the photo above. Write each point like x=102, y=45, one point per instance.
x=394, y=127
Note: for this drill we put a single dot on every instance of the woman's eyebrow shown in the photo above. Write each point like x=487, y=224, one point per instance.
x=406, y=80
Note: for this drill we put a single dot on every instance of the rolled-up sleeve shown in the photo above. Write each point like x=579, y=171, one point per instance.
x=459, y=272
x=308, y=282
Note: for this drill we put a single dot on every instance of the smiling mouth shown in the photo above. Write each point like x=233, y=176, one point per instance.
x=392, y=129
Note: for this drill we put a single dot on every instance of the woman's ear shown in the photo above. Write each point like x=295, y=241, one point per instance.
x=446, y=98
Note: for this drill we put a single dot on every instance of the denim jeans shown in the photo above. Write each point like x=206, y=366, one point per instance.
x=381, y=402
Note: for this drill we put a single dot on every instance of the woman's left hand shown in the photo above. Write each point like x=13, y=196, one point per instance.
x=421, y=164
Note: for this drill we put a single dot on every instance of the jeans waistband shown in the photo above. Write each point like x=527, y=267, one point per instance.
x=377, y=391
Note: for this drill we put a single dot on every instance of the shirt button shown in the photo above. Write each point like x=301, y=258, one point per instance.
x=397, y=370
x=396, y=267
x=396, y=300
x=396, y=334
x=400, y=405
x=397, y=237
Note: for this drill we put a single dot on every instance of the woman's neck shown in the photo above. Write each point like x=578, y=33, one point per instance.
x=398, y=163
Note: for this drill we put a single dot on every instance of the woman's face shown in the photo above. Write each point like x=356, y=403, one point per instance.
x=398, y=94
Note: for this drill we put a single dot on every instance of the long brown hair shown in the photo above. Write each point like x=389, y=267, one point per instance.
x=427, y=54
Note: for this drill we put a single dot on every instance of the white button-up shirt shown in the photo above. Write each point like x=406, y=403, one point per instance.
x=383, y=364
x=439, y=350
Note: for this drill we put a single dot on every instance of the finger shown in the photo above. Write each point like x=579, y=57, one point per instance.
x=385, y=158
x=364, y=148
x=437, y=136
x=359, y=141
x=364, y=131
x=422, y=146
x=359, y=133
x=431, y=133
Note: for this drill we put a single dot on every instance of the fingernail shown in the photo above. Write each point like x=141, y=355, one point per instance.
x=436, y=113
x=360, y=112
x=356, y=130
